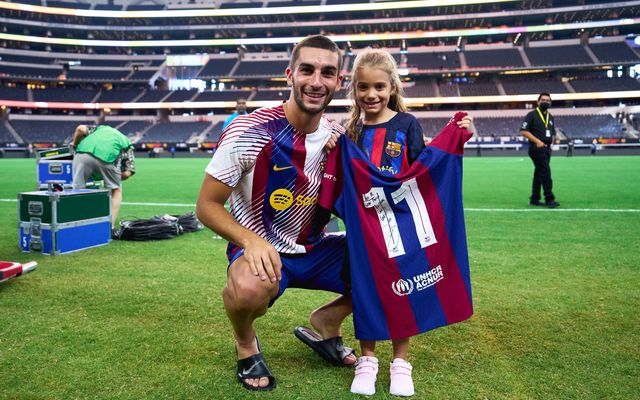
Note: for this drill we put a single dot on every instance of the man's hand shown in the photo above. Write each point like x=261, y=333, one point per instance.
x=263, y=259
x=540, y=144
x=125, y=175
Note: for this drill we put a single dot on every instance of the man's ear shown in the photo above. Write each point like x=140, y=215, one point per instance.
x=289, y=73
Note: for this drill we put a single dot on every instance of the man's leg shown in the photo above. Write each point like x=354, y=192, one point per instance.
x=327, y=320
x=246, y=297
x=535, y=184
x=83, y=167
x=545, y=175
x=116, y=201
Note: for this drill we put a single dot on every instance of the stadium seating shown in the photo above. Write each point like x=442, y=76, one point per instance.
x=478, y=89
x=97, y=75
x=261, y=68
x=13, y=93
x=277, y=94
x=133, y=128
x=532, y=86
x=181, y=95
x=217, y=67
x=558, y=55
x=605, y=85
x=173, y=132
x=5, y=134
x=65, y=95
x=589, y=127
x=439, y=61
x=39, y=131
x=227, y=95
x=498, y=126
x=118, y=95
x=30, y=72
x=421, y=88
x=431, y=126
x=493, y=58
x=153, y=96
x=613, y=52
x=214, y=133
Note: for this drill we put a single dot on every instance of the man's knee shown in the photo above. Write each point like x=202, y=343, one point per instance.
x=246, y=291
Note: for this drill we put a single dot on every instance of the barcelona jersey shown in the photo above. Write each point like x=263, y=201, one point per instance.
x=275, y=172
x=406, y=237
x=393, y=145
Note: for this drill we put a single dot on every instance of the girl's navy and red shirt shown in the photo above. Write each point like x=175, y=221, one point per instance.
x=394, y=145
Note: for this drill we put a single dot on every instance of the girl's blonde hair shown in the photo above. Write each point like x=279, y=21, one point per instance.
x=382, y=60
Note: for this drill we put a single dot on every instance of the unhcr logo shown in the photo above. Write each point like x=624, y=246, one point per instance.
x=402, y=287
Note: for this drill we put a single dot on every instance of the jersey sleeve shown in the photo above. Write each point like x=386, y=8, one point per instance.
x=332, y=179
x=415, y=141
x=526, y=124
x=452, y=138
x=234, y=154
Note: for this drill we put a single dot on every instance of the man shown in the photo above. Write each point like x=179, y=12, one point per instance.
x=103, y=150
x=270, y=164
x=539, y=128
x=241, y=109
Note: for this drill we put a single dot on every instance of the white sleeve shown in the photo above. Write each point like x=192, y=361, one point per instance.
x=225, y=164
x=237, y=150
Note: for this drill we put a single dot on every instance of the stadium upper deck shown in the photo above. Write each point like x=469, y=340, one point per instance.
x=67, y=56
x=71, y=27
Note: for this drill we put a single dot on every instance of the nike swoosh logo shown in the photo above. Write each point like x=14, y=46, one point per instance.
x=246, y=371
x=276, y=168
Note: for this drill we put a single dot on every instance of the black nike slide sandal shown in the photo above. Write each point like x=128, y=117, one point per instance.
x=332, y=349
x=254, y=367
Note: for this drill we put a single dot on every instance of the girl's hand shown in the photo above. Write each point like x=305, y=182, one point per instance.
x=466, y=122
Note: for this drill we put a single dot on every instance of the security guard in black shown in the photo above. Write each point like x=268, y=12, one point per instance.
x=539, y=128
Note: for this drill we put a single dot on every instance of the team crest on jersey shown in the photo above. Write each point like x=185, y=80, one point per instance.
x=402, y=287
x=323, y=165
x=393, y=149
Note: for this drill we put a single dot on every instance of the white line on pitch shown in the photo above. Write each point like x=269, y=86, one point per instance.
x=542, y=209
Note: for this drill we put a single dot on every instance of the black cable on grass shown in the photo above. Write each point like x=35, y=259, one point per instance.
x=159, y=227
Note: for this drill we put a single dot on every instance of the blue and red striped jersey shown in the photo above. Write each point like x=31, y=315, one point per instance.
x=406, y=236
x=393, y=145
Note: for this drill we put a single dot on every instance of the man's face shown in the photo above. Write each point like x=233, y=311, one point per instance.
x=314, y=79
x=241, y=106
x=544, y=100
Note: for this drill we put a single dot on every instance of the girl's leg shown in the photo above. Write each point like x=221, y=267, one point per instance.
x=364, y=381
x=400, y=348
x=401, y=381
x=368, y=348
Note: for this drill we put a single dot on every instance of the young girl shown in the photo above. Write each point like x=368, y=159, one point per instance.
x=392, y=139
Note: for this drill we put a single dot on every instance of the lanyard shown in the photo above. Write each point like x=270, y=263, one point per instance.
x=545, y=122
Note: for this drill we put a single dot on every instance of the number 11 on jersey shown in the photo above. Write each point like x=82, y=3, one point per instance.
x=410, y=193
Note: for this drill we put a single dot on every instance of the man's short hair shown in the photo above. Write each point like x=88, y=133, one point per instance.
x=316, y=42
x=544, y=94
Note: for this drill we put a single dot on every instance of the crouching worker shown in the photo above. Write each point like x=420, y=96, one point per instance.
x=103, y=150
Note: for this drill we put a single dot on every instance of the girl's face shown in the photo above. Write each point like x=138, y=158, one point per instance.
x=373, y=89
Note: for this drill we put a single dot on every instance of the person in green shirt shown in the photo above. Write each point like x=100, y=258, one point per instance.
x=103, y=151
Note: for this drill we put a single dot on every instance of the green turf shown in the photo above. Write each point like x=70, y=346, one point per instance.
x=555, y=296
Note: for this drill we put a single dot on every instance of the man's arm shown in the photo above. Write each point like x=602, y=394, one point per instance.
x=128, y=167
x=262, y=257
x=539, y=143
x=524, y=131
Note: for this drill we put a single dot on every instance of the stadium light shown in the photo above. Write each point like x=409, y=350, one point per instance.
x=215, y=12
x=336, y=38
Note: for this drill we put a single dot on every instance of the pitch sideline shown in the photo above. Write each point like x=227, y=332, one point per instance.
x=612, y=210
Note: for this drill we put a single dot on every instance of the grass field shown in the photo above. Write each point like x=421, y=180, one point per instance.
x=555, y=294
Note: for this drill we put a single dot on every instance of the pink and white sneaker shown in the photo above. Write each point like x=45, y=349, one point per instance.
x=364, y=382
x=401, y=382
